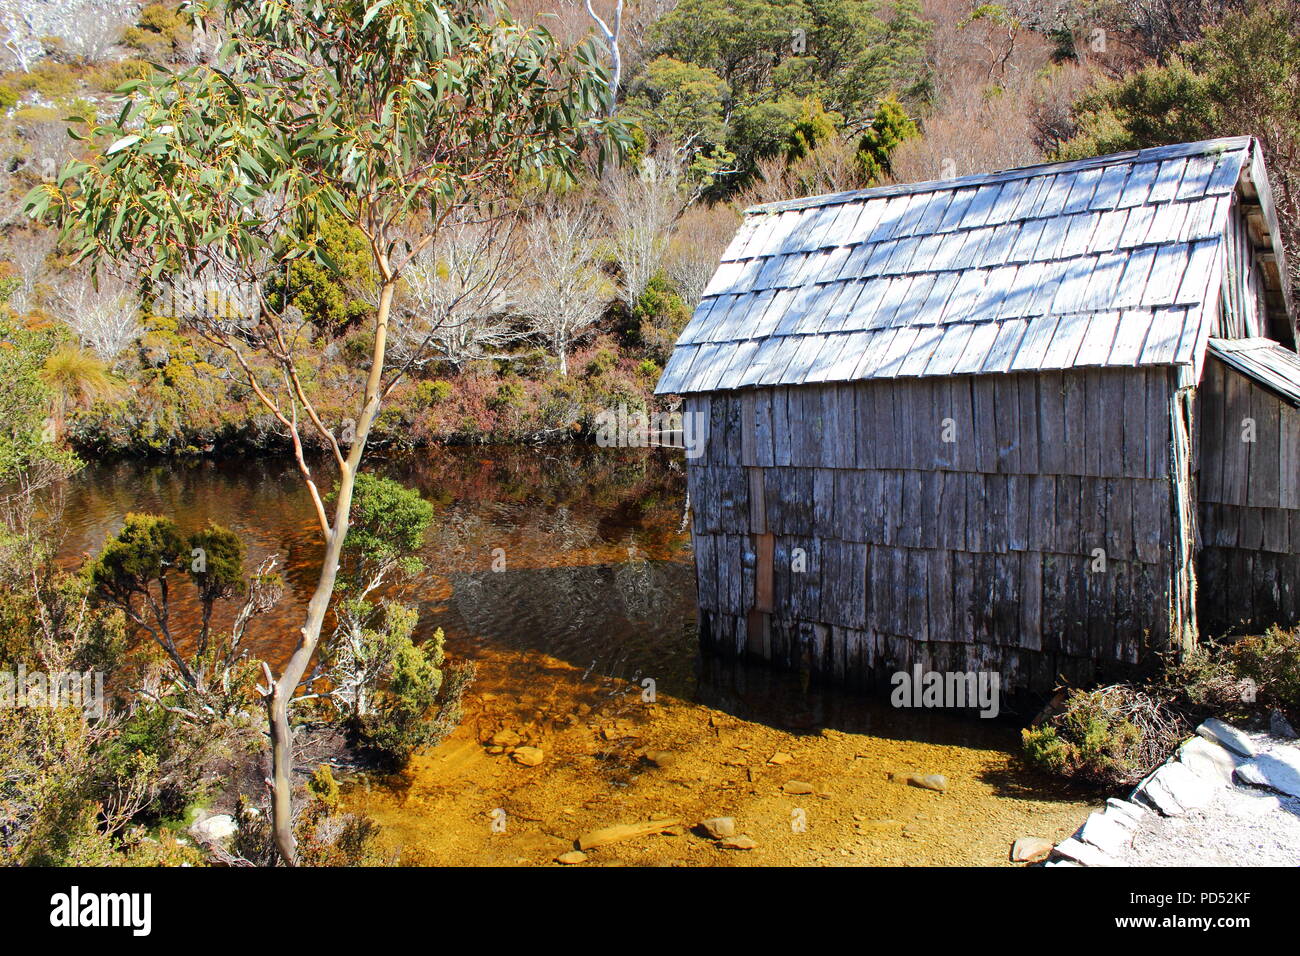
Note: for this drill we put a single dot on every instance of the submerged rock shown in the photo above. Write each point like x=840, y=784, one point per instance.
x=798, y=787
x=742, y=842
x=926, y=781
x=623, y=831
x=505, y=739
x=719, y=827
x=528, y=756
x=572, y=857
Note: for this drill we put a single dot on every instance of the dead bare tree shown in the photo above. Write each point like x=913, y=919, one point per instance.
x=457, y=293
x=697, y=243
x=642, y=206
x=28, y=252
x=566, y=294
x=105, y=318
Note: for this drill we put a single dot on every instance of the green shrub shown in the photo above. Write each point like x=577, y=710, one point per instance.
x=420, y=705
x=437, y=392
x=510, y=394
x=1111, y=736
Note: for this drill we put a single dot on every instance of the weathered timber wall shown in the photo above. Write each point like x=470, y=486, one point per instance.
x=1249, y=563
x=974, y=553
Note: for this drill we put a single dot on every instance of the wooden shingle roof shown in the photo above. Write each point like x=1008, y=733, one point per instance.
x=1110, y=261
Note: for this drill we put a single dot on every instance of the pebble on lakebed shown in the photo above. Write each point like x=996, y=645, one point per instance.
x=926, y=781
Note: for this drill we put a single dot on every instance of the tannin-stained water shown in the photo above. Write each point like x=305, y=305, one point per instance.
x=566, y=571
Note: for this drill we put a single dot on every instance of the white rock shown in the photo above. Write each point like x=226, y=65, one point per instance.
x=1158, y=796
x=1189, y=790
x=1208, y=760
x=1225, y=735
x=1124, y=812
x=1104, y=833
x=1084, y=853
x=219, y=826
x=1279, y=769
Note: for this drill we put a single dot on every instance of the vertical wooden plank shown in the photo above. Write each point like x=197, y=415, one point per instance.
x=1051, y=423
x=1027, y=394
x=976, y=513
x=781, y=427
x=1006, y=403
x=1031, y=600
x=1042, y=513
x=1067, y=515
x=985, y=422
x=748, y=434
x=1265, y=473
x=939, y=599
x=1135, y=424
x=1074, y=409
x=917, y=584
x=996, y=534
x=864, y=401
x=962, y=451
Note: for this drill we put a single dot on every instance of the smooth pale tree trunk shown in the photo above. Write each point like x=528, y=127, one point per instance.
x=286, y=686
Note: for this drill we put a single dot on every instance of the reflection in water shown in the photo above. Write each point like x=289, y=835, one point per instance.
x=597, y=570
x=591, y=565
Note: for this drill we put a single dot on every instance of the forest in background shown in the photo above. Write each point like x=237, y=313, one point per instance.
x=544, y=314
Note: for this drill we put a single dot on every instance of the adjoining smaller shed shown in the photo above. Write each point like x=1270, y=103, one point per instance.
x=996, y=422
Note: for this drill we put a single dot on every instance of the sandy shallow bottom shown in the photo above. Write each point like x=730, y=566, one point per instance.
x=814, y=796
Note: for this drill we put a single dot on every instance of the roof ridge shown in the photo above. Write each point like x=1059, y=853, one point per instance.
x=1174, y=151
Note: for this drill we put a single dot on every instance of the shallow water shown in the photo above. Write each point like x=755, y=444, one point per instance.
x=572, y=553
x=567, y=572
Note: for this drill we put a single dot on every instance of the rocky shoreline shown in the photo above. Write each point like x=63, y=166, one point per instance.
x=1227, y=797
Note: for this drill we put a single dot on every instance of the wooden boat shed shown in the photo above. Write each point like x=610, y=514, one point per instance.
x=1044, y=421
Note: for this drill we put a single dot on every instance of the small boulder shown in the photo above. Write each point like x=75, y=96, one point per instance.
x=1030, y=850
x=572, y=857
x=1279, y=726
x=797, y=787
x=1105, y=833
x=719, y=828
x=1209, y=760
x=528, y=756
x=1225, y=735
x=1083, y=853
x=505, y=739
x=1278, y=769
x=213, y=829
x=779, y=758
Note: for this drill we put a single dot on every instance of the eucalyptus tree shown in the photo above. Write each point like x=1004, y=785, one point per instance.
x=392, y=116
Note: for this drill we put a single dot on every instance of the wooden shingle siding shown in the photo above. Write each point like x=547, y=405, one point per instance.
x=1249, y=507
x=988, y=539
